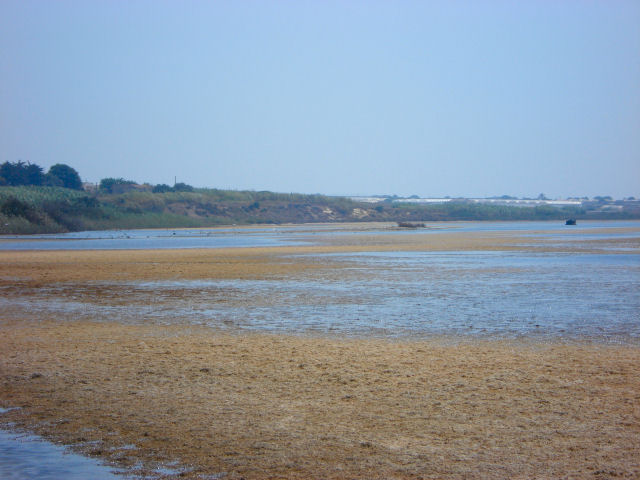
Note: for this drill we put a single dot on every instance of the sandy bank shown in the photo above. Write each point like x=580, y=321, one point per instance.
x=266, y=406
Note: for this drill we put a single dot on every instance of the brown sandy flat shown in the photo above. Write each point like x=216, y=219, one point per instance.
x=267, y=406
x=239, y=263
x=278, y=406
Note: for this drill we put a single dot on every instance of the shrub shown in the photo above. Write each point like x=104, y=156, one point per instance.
x=183, y=187
x=110, y=185
x=12, y=207
x=162, y=188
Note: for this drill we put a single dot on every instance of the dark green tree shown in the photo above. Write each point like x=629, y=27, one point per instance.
x=182, y=187
x=64, y=176
x=35, y=176
x=21, y=173
x=109, y=185
x=162, y=188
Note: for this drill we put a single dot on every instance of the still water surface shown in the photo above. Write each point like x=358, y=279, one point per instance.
x=282, y=235
x=27, y=457
x=30, y=457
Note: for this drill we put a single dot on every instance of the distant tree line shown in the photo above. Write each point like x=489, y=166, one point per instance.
x=115, y=185
x=120, y=185
x=21, y=173
x=178, y=187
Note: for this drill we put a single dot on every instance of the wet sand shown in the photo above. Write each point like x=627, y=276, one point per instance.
x=41, y=267
x=260, y=406
x=267, y=406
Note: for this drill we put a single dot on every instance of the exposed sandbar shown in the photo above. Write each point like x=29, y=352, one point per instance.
x=268, y=406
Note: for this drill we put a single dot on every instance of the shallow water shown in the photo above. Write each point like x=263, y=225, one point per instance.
x=147, y=239
x=28, y=457
x=390, y=294
x=272, y=236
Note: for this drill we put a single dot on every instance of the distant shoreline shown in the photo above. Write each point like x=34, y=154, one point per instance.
x=31, y=210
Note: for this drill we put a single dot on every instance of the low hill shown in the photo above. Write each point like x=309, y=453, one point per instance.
x=50, y=209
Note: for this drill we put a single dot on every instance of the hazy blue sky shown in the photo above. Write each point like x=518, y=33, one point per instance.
x=432, y=98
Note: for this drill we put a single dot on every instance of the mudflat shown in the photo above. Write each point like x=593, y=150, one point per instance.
x=275, y=406
x=220, y=404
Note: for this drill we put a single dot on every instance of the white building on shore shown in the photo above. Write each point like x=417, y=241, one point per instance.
x=514, y=202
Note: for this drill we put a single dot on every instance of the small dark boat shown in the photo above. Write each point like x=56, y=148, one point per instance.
x=410, y=225
x=571, y=221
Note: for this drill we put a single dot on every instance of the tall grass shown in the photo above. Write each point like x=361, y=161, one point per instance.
x=34, y=196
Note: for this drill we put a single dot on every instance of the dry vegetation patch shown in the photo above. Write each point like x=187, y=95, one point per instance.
x=267, y=406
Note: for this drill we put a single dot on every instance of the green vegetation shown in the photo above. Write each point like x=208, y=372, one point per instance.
x=115, y=185
x=44, y=209
x=62, y=175
x=21, y=173
x=34, y=202
x=41, y=209
x=31, y=209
